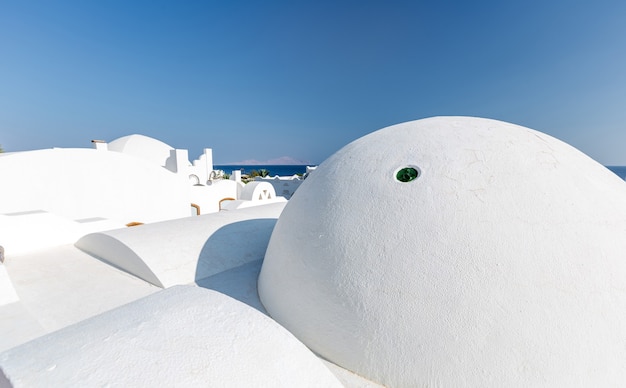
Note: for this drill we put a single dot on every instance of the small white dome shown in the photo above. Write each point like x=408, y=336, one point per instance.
x=456, y=251
x=143, y=147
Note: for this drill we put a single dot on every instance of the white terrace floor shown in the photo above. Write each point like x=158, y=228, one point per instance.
x=61, y=286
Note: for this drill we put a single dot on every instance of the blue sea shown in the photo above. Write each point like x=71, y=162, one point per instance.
x=280, y=170
x=289, y=170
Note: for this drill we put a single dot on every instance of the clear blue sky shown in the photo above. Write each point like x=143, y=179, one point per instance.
x=265, y=79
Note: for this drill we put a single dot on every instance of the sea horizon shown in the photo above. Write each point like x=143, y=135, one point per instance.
x=274, y=169
x=295, y=169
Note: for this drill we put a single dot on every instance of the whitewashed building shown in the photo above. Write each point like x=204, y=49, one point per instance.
x=479, y=253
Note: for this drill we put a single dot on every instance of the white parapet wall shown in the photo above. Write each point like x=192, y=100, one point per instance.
x=86, y=183
x=30, y=231
x=284, y=186
x=183, y=336
x=185, y=250
x=133, y=179
x=254, y=194
x=208, y=197
x=203, y=166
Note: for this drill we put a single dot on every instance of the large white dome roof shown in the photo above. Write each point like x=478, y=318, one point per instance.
x=143, y=147
x=456, y=251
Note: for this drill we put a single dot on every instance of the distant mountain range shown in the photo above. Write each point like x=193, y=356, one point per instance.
x=283, y=160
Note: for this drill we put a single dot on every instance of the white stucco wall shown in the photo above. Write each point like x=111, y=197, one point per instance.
x=208, y=197
x=147, y=148
x=203, y=166
x=7, y=291
x=503, y=264
x=32, y=231
x=86, y=183
x=183, y=336
x=185, y=250
x=254, y=194
x=284, y=186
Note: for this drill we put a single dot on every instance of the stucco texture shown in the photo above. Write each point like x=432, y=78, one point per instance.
x=184, y=336
x=502, y=264
x=83, y=183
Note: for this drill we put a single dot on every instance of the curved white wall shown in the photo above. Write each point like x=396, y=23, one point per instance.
x=502, y=264
x=189, y=249
x=180, y=337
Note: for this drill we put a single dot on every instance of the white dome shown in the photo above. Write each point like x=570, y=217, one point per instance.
x=143, y=147
x=502, y=264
